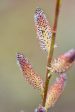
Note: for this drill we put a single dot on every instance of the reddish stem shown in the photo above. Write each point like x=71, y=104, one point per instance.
x=50, y=54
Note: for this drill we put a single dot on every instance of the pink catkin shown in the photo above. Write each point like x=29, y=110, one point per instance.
x=55, y=91
x=43, y=29
x=63, y=62
x=29, y=74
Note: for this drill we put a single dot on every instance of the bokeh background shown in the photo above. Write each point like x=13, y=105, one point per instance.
x=17, y=34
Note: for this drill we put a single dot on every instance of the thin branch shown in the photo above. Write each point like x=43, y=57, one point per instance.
x=50, y=54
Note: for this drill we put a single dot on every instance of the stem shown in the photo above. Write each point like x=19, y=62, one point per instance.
x=50, y=54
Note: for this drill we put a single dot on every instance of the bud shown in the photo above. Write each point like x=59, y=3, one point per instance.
x=63, y=62
x=55, y=91
x=29, y=74
x=40, y=109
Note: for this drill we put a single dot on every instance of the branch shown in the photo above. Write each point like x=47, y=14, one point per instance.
x=50, y=54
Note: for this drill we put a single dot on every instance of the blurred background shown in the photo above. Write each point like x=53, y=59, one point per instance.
x=17, y=34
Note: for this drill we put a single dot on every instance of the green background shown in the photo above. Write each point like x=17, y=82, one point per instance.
x=17, y=34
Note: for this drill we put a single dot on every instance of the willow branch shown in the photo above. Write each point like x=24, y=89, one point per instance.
x=50, y=54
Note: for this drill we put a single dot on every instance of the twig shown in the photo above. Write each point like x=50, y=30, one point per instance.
x=50, y=54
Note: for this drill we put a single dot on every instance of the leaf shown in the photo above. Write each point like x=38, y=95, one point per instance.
x=63, y=62
x=29, y=74
x=55, y=91
x=43, y=29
